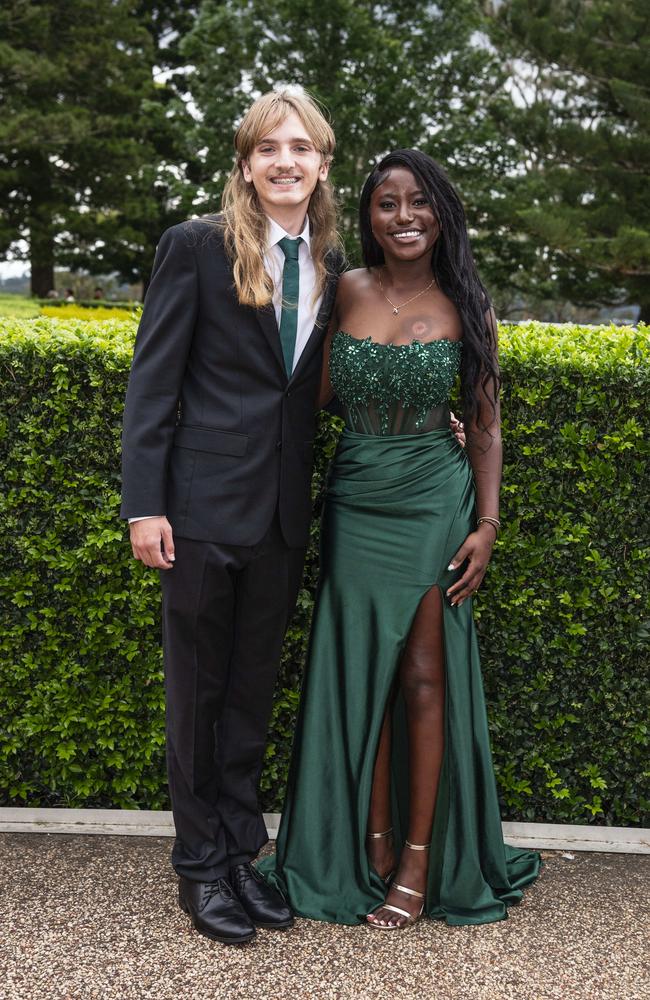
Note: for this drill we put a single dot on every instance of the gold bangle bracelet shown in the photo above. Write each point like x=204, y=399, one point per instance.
x=494, y=521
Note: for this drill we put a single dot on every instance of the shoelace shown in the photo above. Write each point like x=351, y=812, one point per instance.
x=242, y=874
x=219, y=886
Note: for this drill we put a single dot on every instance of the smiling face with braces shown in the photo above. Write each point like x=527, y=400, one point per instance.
x=285, y=166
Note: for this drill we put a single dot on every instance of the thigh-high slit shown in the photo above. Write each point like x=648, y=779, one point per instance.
x=421, y=682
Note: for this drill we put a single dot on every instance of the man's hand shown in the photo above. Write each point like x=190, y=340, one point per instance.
x=152, y=542
x=458, y=429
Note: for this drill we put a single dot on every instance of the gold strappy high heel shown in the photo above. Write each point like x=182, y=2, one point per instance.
x=410, y=917
x=379, y=836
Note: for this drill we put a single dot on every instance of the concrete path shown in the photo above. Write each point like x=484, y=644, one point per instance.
x=96, y=918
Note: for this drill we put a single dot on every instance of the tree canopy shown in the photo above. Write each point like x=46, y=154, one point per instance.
x=583, y=128
x=83, y=136
x=119, y=115
x=392, y=74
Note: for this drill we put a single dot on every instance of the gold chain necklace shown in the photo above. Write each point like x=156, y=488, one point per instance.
x=396, y=308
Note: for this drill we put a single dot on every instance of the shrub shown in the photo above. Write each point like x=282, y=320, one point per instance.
x=560, y=619
x=560, y=625
x=129, y=305
x=76, y=311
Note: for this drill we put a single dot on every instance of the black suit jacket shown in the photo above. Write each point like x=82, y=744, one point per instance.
x=215, y=436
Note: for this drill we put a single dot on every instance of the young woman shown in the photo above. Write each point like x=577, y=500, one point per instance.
x=391, y=808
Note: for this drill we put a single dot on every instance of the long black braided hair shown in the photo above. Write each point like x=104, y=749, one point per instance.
x=453, y=267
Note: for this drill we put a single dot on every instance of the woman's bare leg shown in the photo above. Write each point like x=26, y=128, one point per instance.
x=422, y=680
x=380, y=850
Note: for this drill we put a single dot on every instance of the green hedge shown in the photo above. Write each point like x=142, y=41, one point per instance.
x=561, y=618
x=91, y=303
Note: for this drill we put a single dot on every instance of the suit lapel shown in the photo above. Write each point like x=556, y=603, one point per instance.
x=268, y=322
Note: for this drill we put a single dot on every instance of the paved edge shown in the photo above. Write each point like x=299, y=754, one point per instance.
x=149, y=823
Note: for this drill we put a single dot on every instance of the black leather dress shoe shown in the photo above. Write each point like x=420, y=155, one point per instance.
x=263, y=904
x=215, y=910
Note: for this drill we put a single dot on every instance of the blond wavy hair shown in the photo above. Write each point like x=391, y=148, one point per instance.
x=244, y=222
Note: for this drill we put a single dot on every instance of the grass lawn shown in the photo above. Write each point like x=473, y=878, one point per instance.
x=18, y=305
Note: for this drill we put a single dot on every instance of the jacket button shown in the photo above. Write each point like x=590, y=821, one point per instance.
x=288, y=393
x=278, y=445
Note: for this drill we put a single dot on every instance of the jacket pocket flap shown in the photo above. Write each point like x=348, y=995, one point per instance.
x=206, y=439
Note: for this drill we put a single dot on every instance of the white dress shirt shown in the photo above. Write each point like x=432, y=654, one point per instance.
x=274, y=263
x=307, y=307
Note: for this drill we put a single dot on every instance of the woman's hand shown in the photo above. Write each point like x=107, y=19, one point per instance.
x=477, y=548
x=457, y=428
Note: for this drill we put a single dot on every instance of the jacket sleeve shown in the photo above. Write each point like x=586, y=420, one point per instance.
x=162, y=347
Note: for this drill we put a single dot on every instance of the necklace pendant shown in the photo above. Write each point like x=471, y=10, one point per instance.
x=395, y=311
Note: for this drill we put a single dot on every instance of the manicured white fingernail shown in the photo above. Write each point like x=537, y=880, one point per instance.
x=451, y=566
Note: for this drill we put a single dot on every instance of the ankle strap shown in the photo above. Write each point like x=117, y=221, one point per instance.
x=376, y=836
x=409, y=892
x=417, y=847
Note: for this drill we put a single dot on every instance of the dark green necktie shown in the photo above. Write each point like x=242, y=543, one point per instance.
x=290, y=288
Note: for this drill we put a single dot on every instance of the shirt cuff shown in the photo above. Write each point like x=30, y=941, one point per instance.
x=146, y=517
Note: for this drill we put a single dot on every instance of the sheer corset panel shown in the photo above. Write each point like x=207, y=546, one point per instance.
x=388, y=389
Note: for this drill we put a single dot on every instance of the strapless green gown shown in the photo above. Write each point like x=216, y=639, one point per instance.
x=399, y=503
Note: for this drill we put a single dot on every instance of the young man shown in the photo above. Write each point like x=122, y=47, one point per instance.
x=217, y=460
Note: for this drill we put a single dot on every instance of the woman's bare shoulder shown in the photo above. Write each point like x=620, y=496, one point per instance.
x=354, y=276
x=354, y=281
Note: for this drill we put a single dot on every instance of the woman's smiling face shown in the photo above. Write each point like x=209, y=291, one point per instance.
x=402, y=220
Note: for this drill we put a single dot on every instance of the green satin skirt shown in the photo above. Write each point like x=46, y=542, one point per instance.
x=396, y=511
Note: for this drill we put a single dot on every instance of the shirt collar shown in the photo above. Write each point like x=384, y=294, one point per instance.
x=276, y=233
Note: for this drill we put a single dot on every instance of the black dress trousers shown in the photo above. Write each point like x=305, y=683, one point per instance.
x=225, y=613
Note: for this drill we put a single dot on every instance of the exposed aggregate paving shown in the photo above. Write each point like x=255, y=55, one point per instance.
x=96, y=918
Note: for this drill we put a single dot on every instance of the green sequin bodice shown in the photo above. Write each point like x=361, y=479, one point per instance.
x=393, y=389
